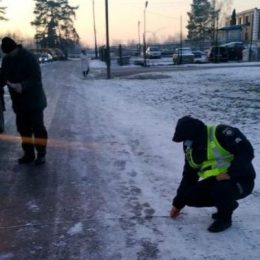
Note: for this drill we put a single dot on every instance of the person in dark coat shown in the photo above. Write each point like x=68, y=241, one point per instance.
x=2, y=96
x=218, y=169
x=21, y=72
x=2, y=108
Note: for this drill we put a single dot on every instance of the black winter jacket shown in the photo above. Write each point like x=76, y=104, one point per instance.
x=241, y=168
x=24, y=68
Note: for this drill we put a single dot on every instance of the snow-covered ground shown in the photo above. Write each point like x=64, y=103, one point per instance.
x=142, y=166
x=112, y=170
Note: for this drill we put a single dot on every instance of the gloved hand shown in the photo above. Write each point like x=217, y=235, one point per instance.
x=174, y=213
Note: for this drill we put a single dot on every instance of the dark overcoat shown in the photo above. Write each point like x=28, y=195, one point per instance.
x=23, y=67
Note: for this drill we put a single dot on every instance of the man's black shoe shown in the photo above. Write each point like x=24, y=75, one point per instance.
x=26, y=159
x=215, y=215
x=39, y=160
x=219, y=225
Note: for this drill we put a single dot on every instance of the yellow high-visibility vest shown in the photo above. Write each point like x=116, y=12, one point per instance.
x=218, y=159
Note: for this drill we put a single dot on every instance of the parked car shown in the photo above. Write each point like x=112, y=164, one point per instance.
x=167, y=52
x=235, y=50
x=45, y=57
x=200, y=57
x=153, y=53
x=183, y=55
x=218, y=54
x=58, y=53
x=251, y=53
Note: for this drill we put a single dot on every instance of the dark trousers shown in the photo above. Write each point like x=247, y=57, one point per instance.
x=220, y=194
x=85, y=72
x=34, y=135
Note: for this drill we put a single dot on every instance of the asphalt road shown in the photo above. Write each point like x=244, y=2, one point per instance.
x=43, y=207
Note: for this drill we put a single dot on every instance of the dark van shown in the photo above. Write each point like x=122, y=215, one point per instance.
x=235, y=50
x=218, y=54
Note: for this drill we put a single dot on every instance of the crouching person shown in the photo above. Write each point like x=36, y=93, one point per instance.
x=218, y=169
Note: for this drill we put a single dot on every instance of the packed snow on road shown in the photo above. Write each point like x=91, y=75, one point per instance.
x=113, y=169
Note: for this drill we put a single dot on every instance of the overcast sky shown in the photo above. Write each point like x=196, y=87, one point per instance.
x=162, y=17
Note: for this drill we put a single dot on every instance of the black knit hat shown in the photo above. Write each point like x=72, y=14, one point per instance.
x=8, y=45
x=187, y=128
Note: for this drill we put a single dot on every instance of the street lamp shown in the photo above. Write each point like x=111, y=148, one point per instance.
x=107, y=43
x=180, y=52
x=144, y=47
x=95, y=33
x=139, y=44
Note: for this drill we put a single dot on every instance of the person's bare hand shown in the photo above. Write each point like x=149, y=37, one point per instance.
x=174, y=213
x=17, y=87
x=222, y=177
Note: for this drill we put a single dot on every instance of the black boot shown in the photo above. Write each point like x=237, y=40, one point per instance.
x=220, y=225
x=39, y=160
x=215, y=215
x=28, y=150
x=26, y=159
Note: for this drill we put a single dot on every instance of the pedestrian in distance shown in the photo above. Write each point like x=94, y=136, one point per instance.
x=84, y=63
x=218, y=169
x=21, y=72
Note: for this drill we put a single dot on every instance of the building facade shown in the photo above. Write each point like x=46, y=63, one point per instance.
x=247, y=28
x=249, y=20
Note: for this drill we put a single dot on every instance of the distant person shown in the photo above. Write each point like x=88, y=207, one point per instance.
x=84, y=63
x=21, y=73
x=218, y=169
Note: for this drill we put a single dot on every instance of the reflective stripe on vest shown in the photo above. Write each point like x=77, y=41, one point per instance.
x=189, y=158
x=218, y=159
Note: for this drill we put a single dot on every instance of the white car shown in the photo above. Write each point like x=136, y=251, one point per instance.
x=200, y=57
x=45, y=57
x=183, y=55
x=153, y=53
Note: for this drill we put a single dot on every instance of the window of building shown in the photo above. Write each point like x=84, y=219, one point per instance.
x=246, y=36
x=247, y=20
x=240, y=20
x=258, y=29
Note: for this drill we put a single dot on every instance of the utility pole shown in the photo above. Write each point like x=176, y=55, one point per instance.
x=180, y=51
x=139, y=44
x=95, y=33
x=216, y=54
x=107, y=43
x=144, y=47
x=213, y=39
x=251, y=38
